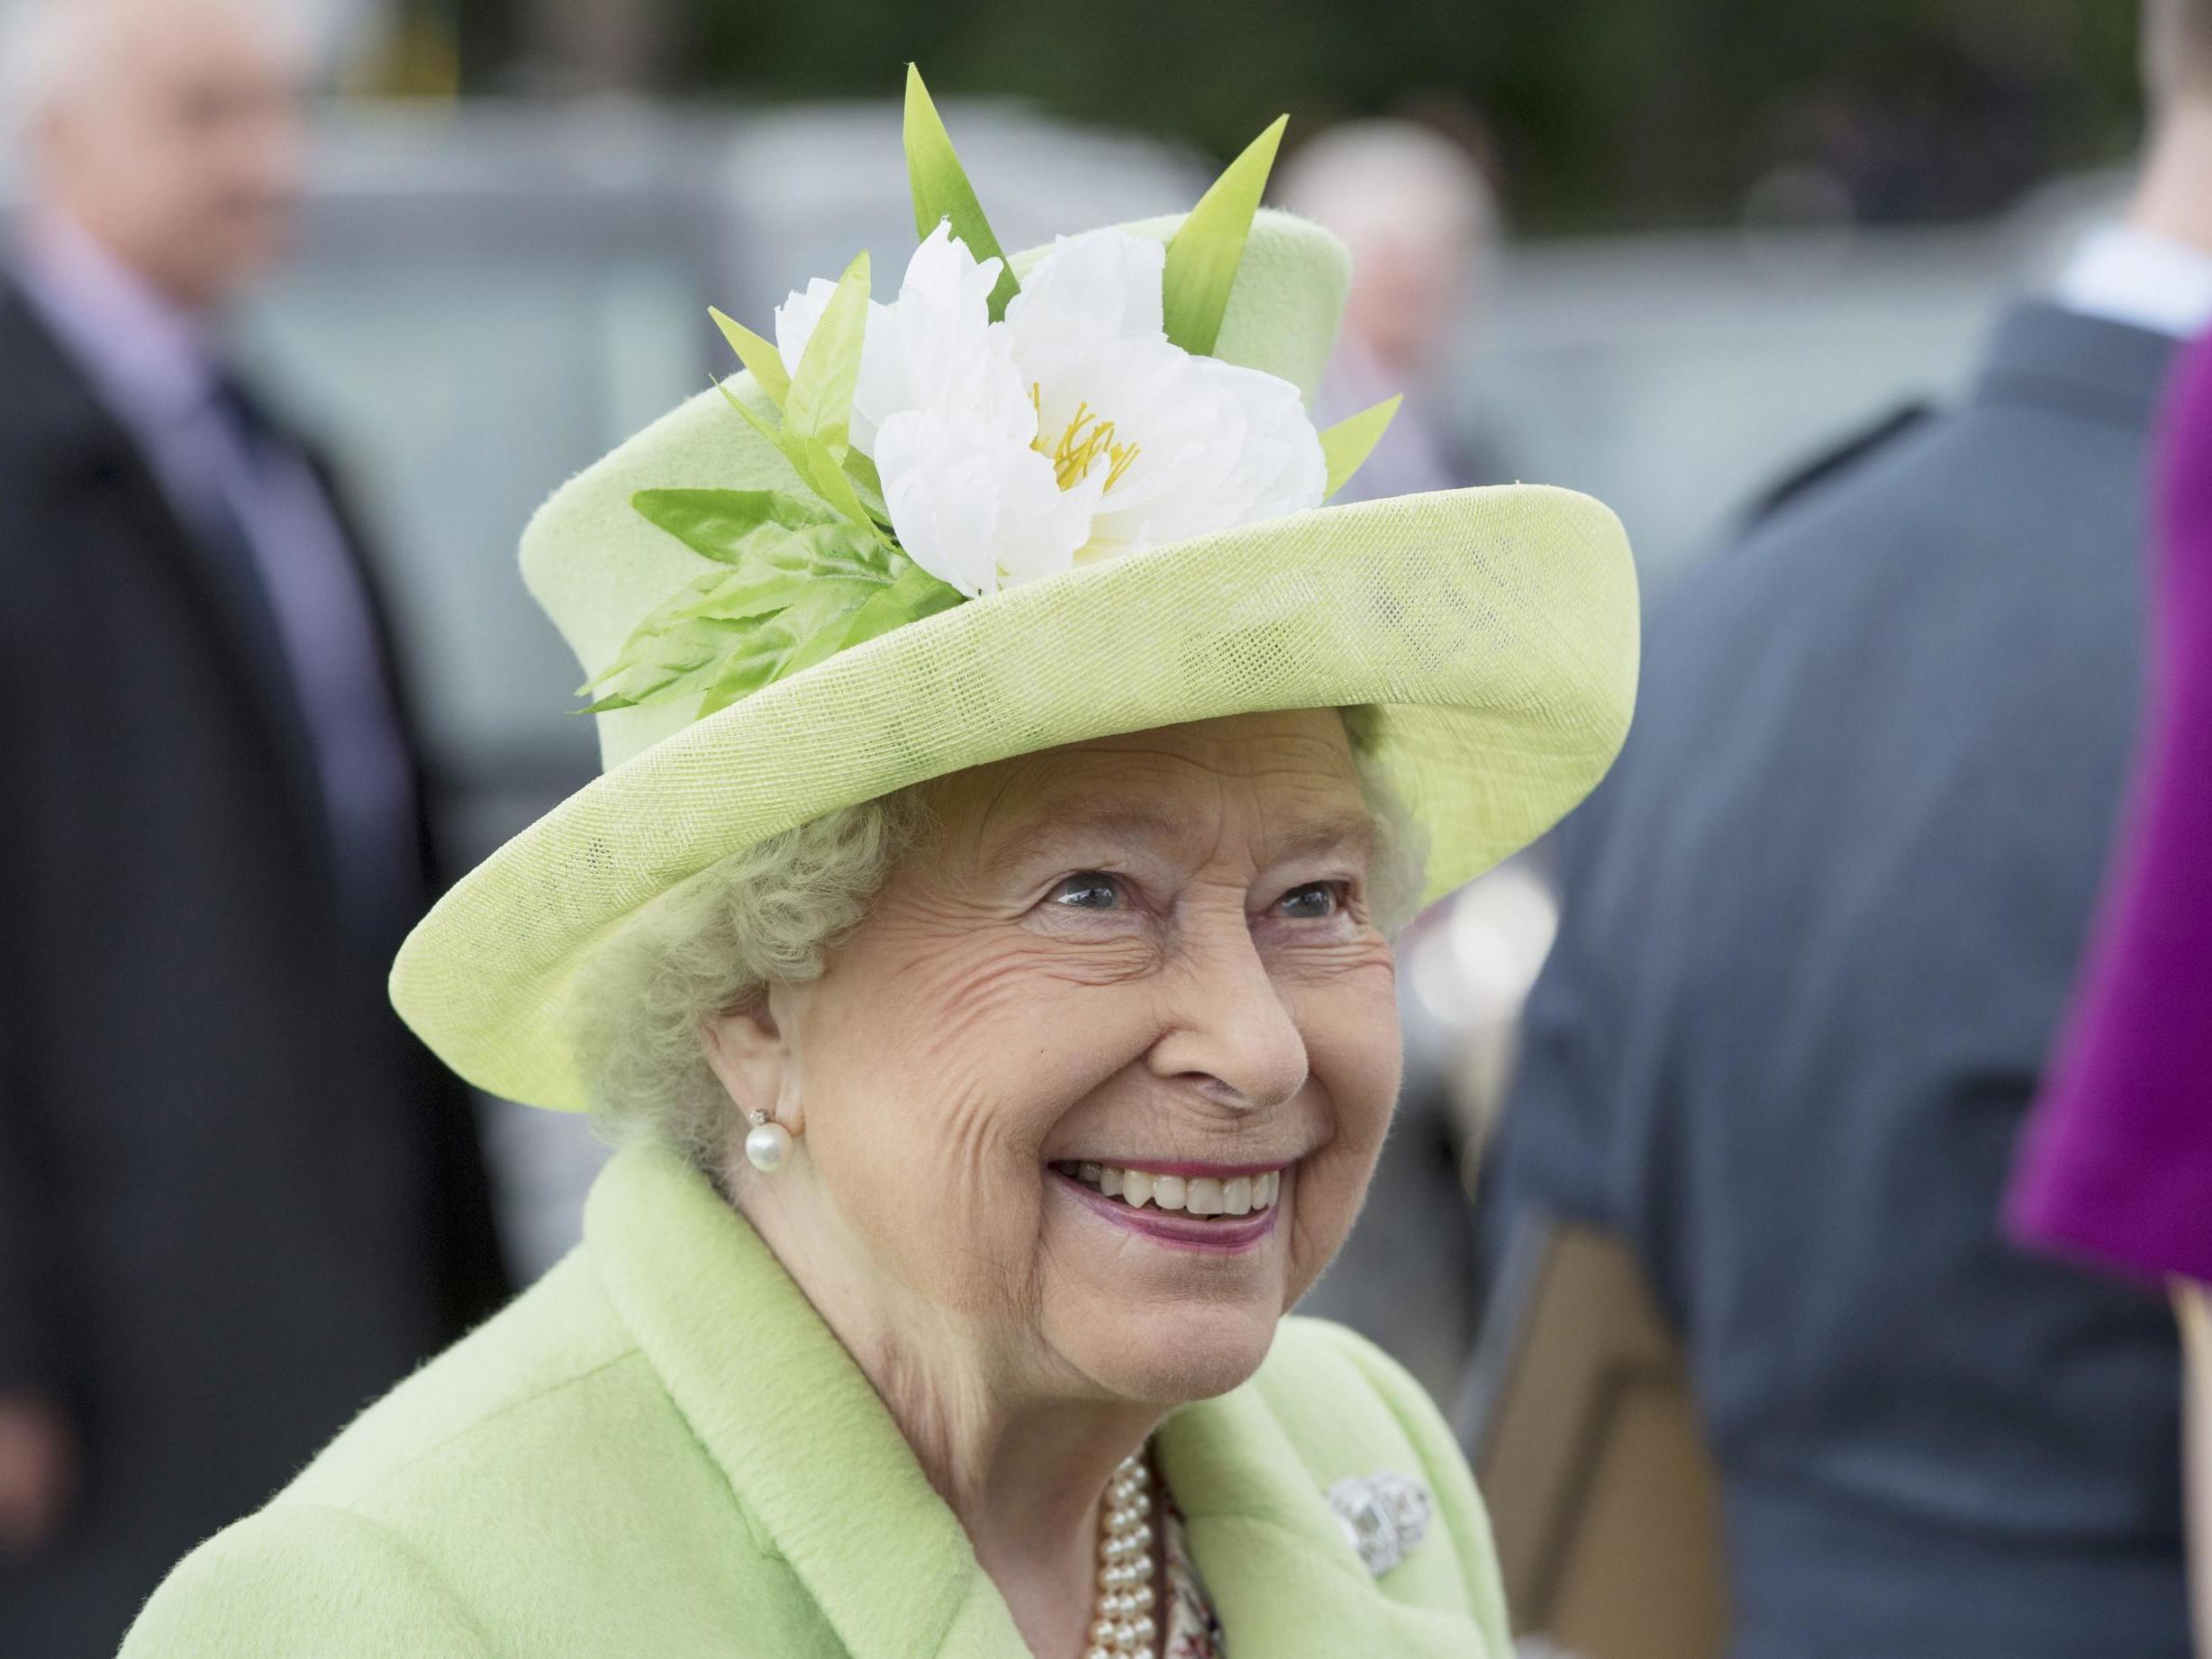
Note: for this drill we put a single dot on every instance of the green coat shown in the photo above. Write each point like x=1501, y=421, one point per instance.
x=661, y=1452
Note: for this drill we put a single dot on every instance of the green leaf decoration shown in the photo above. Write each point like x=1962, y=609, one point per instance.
x=773, y=434
x=820, y=403
x=942, y=191
x=793, y=584
x=1208, y=247
x=914, y=594
x=770, y=648
x=760, y=356
x=820, y=468
x=728, y=526
x=867, y=484
x=1346, y=445
x=816, y=469
x=661, y=662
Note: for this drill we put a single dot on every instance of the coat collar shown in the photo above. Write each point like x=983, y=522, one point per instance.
x=2045, y=356
x=819, y=1466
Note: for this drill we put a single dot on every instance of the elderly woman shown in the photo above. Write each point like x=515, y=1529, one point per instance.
x=979, y=944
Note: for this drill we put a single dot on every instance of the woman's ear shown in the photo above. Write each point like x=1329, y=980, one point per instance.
x=752, y=1057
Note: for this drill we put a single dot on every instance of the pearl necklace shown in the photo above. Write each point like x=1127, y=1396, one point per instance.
x=1124, y=1626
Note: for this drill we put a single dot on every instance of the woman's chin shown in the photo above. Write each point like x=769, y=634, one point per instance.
x=1169, y=1357
x=1163, y=1309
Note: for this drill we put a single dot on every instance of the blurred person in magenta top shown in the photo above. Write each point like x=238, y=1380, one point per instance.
x=2117, y=1165
x=2117, y=1161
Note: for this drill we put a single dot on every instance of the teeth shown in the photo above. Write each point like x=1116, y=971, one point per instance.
x=1198, y=1195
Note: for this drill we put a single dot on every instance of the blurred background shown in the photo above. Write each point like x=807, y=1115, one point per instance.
x=1667, y=252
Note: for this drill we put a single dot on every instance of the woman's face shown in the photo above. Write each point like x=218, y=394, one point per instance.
x=1150, y=954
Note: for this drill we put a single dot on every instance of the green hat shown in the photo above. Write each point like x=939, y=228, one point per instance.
x=838, y=575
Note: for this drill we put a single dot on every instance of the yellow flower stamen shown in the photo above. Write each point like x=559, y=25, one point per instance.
x=1079, y=445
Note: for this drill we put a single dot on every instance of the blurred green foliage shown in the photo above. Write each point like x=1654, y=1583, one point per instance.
x=1599, y=111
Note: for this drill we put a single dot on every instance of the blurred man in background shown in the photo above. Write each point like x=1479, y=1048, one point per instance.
x=1421, y=221
x=236, y=1200
x=1820, y=925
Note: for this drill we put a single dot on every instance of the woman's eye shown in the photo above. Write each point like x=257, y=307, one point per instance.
x=1314, y=901
x=1089, y=890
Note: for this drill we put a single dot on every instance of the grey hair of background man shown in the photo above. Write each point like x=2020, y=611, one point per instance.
x=2177, y=52
x=1391, y=177
x=771, y=913
x=51, y=50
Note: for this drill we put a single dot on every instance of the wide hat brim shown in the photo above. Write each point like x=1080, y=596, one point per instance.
x=1496, y=630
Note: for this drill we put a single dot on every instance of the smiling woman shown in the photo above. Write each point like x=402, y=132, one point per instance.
x=1130, y=952
x=980, y=942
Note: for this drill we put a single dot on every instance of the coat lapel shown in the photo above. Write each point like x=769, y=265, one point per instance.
x=809, y=1452
x=1282, y=1577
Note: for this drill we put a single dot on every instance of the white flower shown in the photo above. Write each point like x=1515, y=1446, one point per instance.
x=1072, y=431
x=972, y=508
x=934, y=347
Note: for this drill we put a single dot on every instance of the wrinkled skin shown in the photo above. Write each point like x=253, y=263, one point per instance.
x=1143, y=948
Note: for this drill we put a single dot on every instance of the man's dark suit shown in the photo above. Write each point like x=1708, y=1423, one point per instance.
x=1820, y=923
x=237, y=1199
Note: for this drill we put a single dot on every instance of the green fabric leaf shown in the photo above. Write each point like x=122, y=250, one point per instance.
x=768, y=651
x=1348, y=443
x=914, y=594
x=773, y=434
x=663, y=665
x=723, y=525
x=1206, y=250
x=817, y=469
x=820, y=403
x=867, y=484
x=760, y=356
x=942, y=191
x=769, y=572
x=820, y=469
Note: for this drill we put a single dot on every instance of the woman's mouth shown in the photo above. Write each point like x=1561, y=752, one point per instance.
x=1221, y=1213
x=1234, y=1195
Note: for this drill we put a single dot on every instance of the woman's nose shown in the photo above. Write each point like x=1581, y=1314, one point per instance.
x=1231, y=1032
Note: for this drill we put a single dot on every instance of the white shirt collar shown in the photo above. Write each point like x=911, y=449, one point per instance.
x=2128, y=276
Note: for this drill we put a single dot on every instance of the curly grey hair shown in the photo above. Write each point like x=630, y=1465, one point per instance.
x=770, y=913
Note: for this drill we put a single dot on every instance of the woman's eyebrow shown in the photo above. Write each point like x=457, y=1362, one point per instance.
x=1100, y=823
x=1299, y=837
x=1305, y=837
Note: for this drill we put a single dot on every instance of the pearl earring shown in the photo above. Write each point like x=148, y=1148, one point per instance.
x=767, y=1143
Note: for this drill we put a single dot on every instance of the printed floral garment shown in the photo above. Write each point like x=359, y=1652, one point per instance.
x=1192, y=1631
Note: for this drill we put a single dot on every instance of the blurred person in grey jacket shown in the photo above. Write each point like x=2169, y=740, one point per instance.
x=1819, y=926
x=237, y=1200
